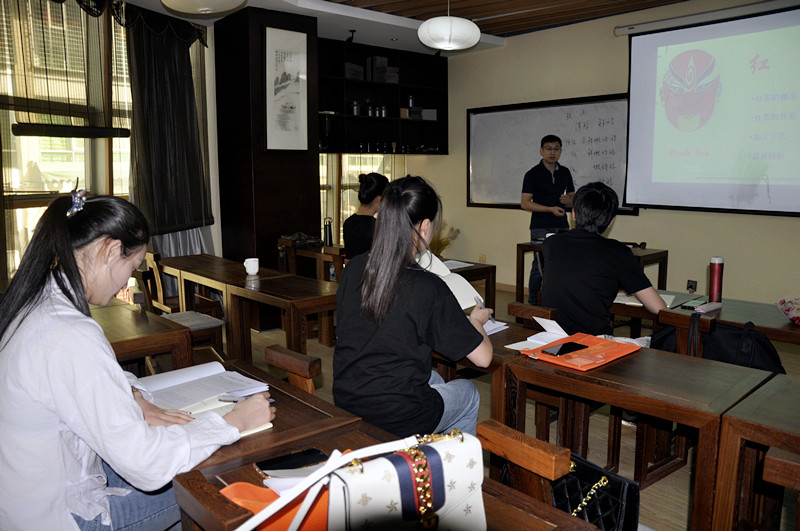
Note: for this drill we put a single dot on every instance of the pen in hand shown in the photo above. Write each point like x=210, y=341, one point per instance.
x=479, y=304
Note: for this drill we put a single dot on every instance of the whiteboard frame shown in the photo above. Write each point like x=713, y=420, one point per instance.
x=531, y=143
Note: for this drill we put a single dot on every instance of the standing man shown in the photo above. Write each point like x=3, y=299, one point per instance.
x=546, y=190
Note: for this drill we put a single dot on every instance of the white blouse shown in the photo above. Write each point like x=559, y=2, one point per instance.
x=65, y=403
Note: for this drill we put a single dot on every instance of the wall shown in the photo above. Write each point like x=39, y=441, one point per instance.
x=761, y=252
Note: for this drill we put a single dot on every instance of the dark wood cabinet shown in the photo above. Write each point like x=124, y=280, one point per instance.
x=263, y=193
x=380, y=100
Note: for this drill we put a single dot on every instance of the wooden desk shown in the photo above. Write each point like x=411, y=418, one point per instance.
x=691, y=391
x=322, y=256
x=134, y=334
x=210, y=271
x=476, y=272
x=203, y=507
x=300, y=415
x=768, y=417
x=637, y=313
x=645, y=257
x=767, y=318
x=297, y=296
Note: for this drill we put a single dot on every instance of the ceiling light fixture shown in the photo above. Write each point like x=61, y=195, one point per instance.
x=449, y=33
x=202, y=7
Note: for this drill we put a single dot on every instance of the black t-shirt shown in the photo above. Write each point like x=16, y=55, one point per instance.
x=381, y=372
x=582, y=274
x=546, y=189
x=358, y=232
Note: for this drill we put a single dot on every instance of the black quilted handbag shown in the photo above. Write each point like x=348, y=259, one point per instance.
x=601, y=498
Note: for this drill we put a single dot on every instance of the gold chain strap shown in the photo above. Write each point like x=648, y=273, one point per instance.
x=600, y=484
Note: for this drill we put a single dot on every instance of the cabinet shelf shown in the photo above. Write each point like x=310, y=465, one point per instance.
x=422, y=83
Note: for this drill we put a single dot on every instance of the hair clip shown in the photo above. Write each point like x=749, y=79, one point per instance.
x=78, y=199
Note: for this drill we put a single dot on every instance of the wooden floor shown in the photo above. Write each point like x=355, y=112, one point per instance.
x=664, y=505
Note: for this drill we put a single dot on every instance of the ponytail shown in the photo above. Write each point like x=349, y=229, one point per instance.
x=406, y=203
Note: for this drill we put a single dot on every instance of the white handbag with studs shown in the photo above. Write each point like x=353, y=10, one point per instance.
x=433, y=481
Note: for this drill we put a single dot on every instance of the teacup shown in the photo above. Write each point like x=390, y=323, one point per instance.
x=251, y=266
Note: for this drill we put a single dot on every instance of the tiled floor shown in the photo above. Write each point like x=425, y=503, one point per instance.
x=664, y=505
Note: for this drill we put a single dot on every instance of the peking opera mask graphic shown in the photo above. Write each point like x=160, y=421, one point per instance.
x=690, y=90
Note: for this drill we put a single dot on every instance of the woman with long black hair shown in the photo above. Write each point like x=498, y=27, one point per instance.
x=392, y=314
x=82, y=448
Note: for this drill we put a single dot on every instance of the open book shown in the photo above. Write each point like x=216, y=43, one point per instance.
x=197, y=389
x=463, y=290
x=552, y=332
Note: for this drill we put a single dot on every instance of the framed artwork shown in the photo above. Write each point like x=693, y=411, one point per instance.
x=286, y=90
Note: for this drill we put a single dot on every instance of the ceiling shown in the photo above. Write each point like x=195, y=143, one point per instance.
x=394, y=23
x=504, y=18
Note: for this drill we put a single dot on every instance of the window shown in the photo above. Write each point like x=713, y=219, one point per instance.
x=51, y=59
x=338, y=182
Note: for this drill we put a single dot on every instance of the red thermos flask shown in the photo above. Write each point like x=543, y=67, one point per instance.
x=715, y=279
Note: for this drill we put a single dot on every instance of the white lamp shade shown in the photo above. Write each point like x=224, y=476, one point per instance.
x=202, y=7
x=449, y=33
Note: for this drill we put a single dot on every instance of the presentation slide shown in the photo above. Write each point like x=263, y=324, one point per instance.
x=713, y=116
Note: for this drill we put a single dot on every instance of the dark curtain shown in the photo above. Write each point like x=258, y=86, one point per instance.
x=168, y=181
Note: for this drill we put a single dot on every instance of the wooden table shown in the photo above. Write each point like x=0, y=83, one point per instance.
x=768, y=417
x=637, y=313
x=210, y=271
x=134, y=334
x=322, y=256
x=303, y=421
x=297, y=296
x=691, y=391
x=767, y=318
x=476, y=272
x=645, y=257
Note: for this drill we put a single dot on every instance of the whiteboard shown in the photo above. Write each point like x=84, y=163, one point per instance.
x=504, y=143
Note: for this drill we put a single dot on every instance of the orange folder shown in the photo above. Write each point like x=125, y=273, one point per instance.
x=599, y=352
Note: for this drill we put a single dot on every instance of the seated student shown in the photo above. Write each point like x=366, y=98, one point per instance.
x=359, y=228
x=584, y=271
x=391, y=316
x=82, y=447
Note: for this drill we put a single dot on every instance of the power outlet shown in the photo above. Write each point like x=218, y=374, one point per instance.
x=482, y=258
x=691, y=286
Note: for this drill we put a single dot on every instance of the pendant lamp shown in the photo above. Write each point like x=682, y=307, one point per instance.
x=202, y=7
x=449, y=33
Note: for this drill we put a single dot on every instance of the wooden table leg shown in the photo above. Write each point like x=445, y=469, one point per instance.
x=662, y=273
x=182, y=351
x=520, y=274
x=239, y=343
x=704, y=480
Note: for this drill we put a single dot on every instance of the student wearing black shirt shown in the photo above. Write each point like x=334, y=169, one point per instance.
x=391, y=316
x=359, y=228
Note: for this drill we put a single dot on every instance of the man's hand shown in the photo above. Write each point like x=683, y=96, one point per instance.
x=155, y=416
x=557, y=211
x=566, y=199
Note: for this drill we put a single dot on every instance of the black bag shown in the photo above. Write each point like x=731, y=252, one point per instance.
x=745, y=346
x=614, y=505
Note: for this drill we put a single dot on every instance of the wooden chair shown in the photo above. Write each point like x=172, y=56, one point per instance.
x=533, y=463
x=206, y=330
x=547, y=402
x=287, y=255
x=163, y=304
x=337, y=256
x=300, y=368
